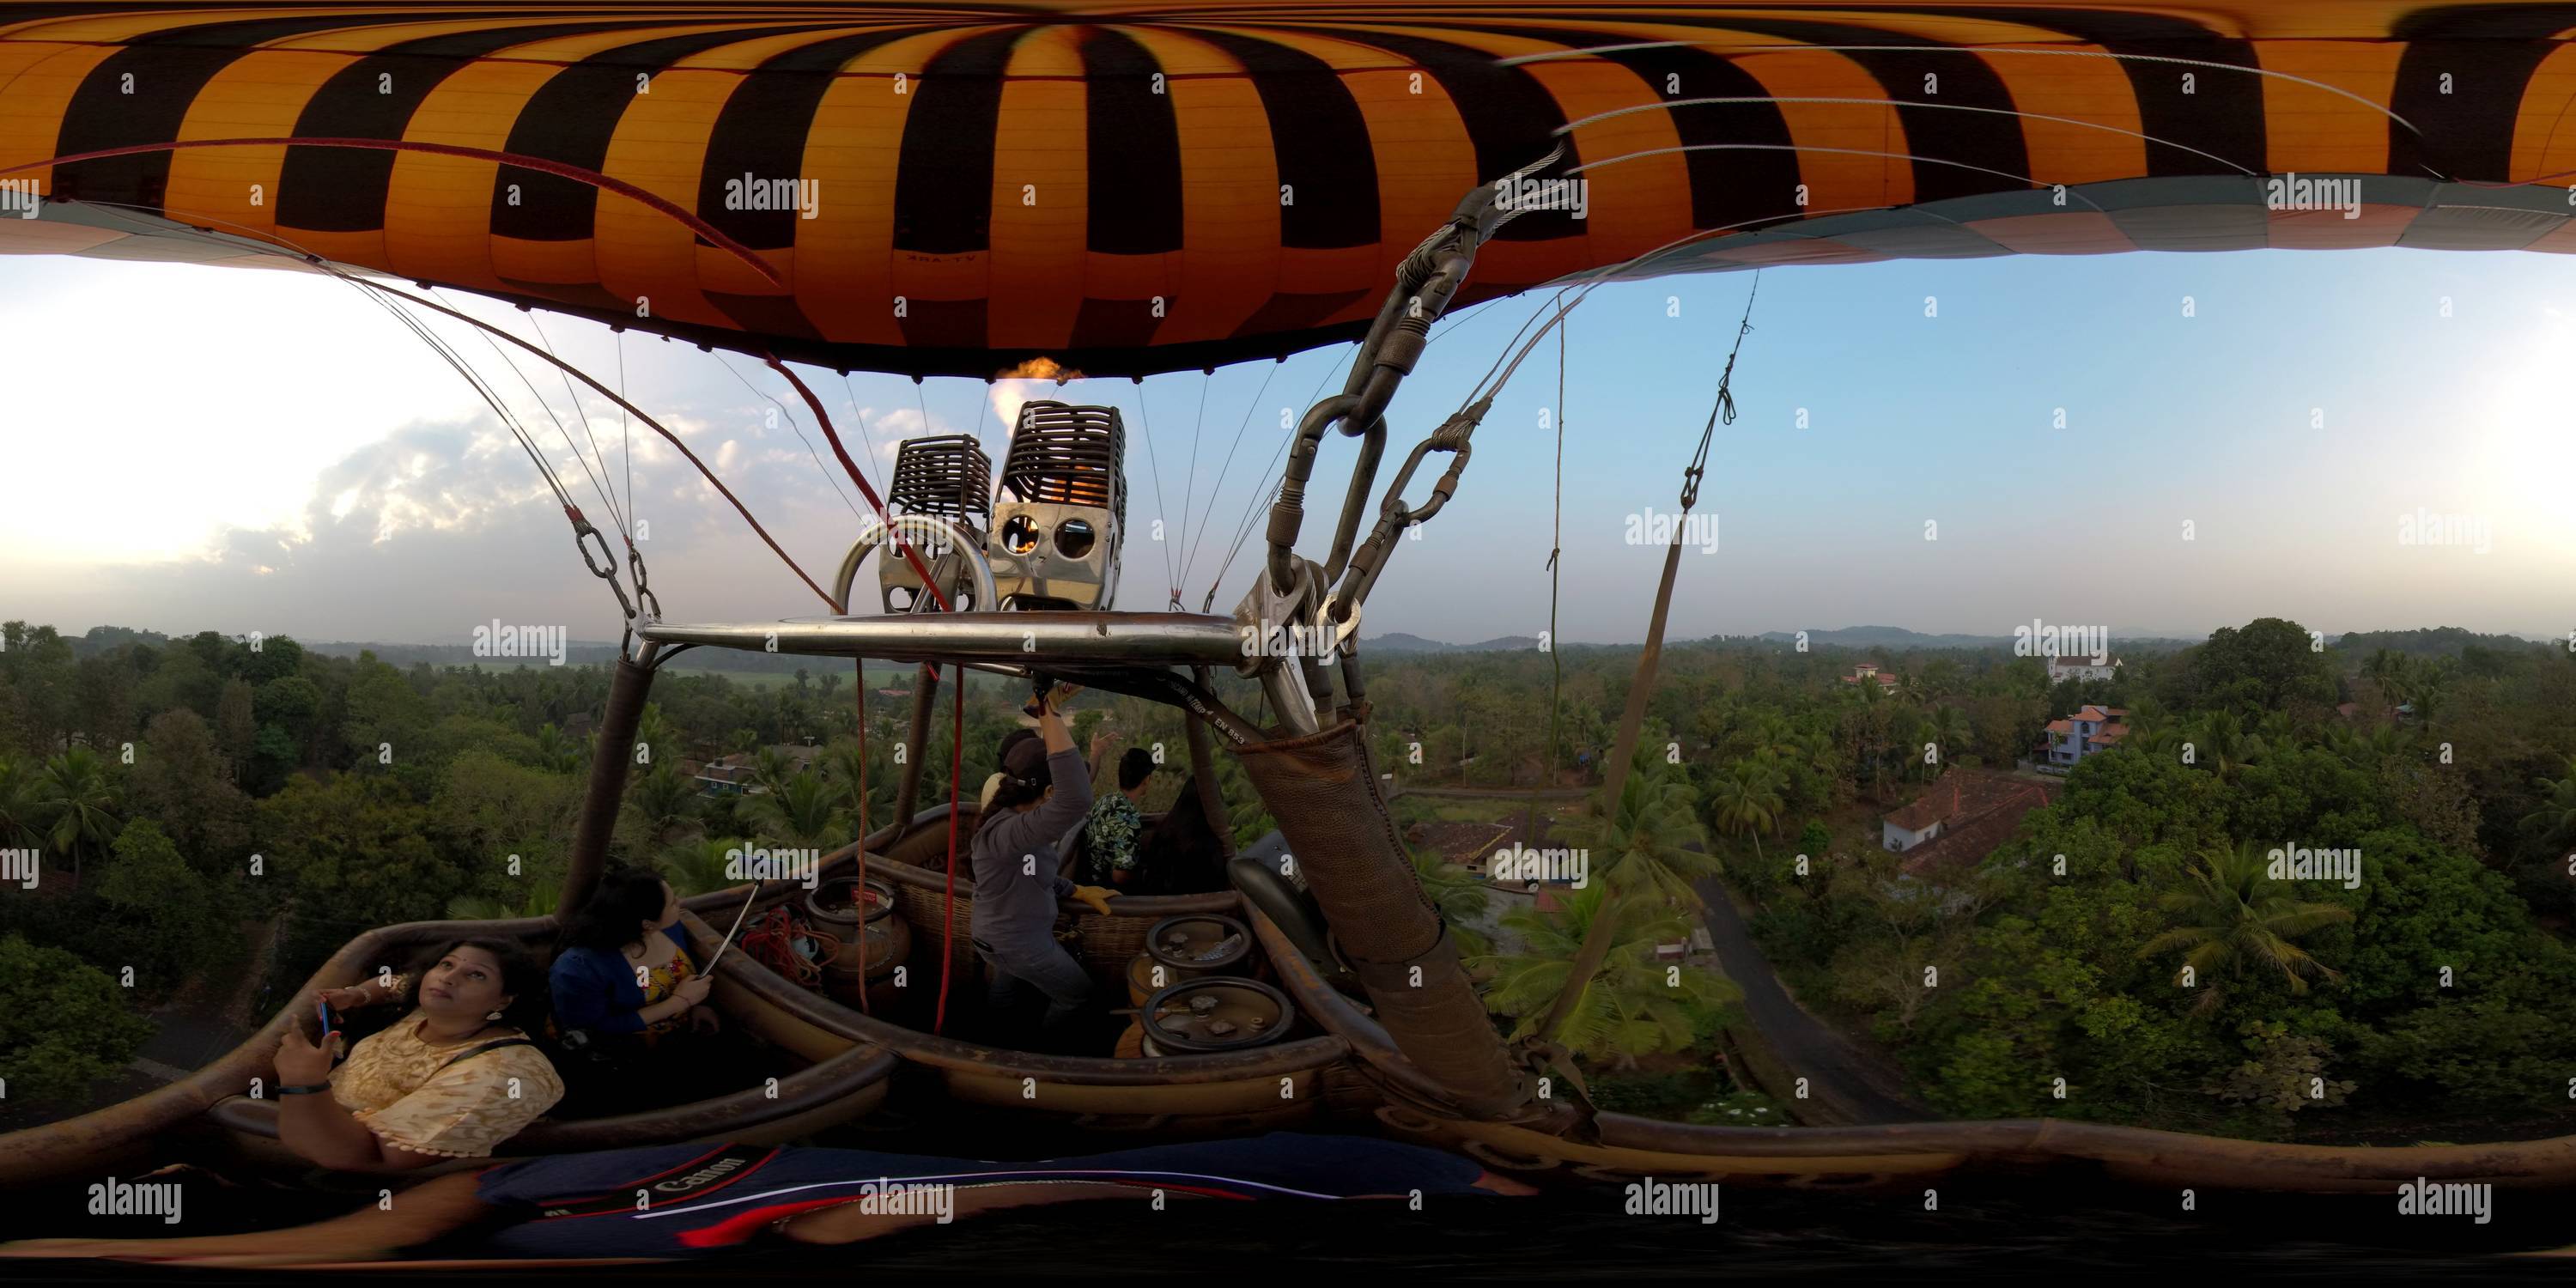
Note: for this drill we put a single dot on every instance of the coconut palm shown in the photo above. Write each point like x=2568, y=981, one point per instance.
x=1460, y=896
x=665, y=799
x=655, y=731
x=76, y=795
x=557, y=750
x=22, y=814
x=1628, y=1008
x=1746, y=798
x=1950, y=729
x=2235, y=915
x=2223, y=746
x=843, y=766
x=695, y=867
x=771, y=769
x=2556, y=816
x=1648, y=850
x=805, y=810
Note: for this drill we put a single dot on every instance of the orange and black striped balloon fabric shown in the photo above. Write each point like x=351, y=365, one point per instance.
x=1130, y=188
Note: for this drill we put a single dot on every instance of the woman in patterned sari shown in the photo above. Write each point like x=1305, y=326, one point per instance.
x=452, y=1079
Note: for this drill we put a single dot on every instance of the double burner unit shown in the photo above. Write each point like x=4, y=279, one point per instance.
x=1054, y=536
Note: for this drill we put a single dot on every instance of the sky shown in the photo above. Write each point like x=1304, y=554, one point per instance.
x=2356, y=440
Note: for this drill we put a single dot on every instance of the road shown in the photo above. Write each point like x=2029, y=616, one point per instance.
x=1843, y=1085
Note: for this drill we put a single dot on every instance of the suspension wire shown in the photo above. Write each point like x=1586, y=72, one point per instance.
x=1162, y=512
x=490, y=398
x=948, y=903
x=865, y=438
x=581, y=412
x=1207, y=377
x=840, y=450
x=625, y=439
x=799, y=427
x=1221, y=471
x=1555, y=570
x=656, y=426
x=1252, y=509
x=269, y=243
x=606, y=497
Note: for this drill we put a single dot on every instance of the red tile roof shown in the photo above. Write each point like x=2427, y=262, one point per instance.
x=1961, y=796
x=2061, y=726
x=1996, y=803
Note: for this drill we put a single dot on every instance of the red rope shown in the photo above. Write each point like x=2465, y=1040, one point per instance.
x=862, y=701
x=825, y=418
x=560, y=170
x=948, y=908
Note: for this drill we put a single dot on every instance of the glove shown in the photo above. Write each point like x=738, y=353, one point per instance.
x=1095, y=896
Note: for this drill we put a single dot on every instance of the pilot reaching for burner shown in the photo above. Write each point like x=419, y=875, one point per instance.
x=1042, y=791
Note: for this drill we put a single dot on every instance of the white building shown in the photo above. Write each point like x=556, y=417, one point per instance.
x=2082, y=668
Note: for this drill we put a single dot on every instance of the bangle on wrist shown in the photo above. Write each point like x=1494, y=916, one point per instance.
x=307, y=1089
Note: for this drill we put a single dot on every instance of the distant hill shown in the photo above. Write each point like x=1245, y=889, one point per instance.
x=1898, y=638
x=1399, y=642
x=2438, y=641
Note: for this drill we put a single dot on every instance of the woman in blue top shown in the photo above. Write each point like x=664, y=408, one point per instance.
x=1042, y=791
x=624, y=986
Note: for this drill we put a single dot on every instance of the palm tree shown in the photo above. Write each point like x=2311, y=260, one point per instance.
x=2235, y=915
x=76, y=794
x=1746, y=798
x=1625, y=1009
x=665, y=799
x=771, y=768
x=805, y=810
x=21, y=812
x=656, y=731
x=1951, y=731
x=2556, y=816
x=1648, y=850
x=2387, y=670
x=843, y=766
x=1460, y=897
x=2224, y=746
x=557, y=750
x=695, y=867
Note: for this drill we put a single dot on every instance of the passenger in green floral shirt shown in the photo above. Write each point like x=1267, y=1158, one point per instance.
x=1109, y=834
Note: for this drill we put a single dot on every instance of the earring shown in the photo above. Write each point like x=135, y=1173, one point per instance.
x=491, y=1015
